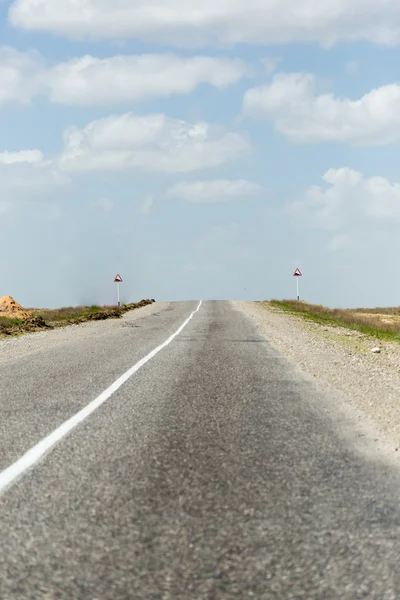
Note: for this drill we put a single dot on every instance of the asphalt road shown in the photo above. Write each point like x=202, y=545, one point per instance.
x=210, y=474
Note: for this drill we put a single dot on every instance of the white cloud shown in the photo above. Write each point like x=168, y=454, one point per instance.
x=153, y=143
x=213, y=191
x=33, y=157
x=105, y=205
x=270, y=64
x=147, y=205
x=303, y=116
x=26, y=176
x=113, y=81
x=122, y=79
x=208, y=22
x=349, y=205
x=20, y=75
x=28, y=181
x=342, y=242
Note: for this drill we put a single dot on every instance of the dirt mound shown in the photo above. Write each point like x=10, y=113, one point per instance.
x=10, y=308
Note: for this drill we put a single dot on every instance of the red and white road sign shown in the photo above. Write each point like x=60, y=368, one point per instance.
x=118, y=279
x=297, y=273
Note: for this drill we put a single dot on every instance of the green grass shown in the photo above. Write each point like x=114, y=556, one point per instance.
x=8, y=325
x=355, y=320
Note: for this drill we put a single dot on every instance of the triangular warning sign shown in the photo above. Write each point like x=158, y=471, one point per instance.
x=297, y=273
x=118, y=279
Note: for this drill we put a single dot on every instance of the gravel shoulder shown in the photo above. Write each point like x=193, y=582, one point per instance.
x=32, y=343
x=367, y=385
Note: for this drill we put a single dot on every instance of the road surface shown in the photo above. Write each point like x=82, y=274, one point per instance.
x=211, y=473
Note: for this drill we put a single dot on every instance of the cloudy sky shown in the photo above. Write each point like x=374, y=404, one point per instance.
x=201, y=148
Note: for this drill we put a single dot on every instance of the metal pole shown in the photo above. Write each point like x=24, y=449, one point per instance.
x=119, y=303
x=298, y=293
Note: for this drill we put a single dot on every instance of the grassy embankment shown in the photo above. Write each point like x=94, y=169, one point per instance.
x=52, y=318
x=381, y=323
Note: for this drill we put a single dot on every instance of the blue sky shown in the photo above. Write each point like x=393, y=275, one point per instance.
x=199, y=151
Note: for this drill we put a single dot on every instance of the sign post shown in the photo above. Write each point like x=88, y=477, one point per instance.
x=118, y=280
x=298, y=274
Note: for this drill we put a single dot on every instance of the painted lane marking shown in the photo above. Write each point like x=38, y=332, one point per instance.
x=10, y=475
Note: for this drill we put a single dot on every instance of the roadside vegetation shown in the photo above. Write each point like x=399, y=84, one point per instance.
x=381, y=323
x=51, y=318
x=7, y=324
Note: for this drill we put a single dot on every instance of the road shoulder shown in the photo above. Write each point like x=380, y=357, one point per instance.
x=366, y=386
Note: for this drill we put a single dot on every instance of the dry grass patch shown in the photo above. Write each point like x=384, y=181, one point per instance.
x=60, y=317
x=71, y=313
x=378, y=323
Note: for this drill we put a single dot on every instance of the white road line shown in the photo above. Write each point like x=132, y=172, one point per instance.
x=10, y=475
